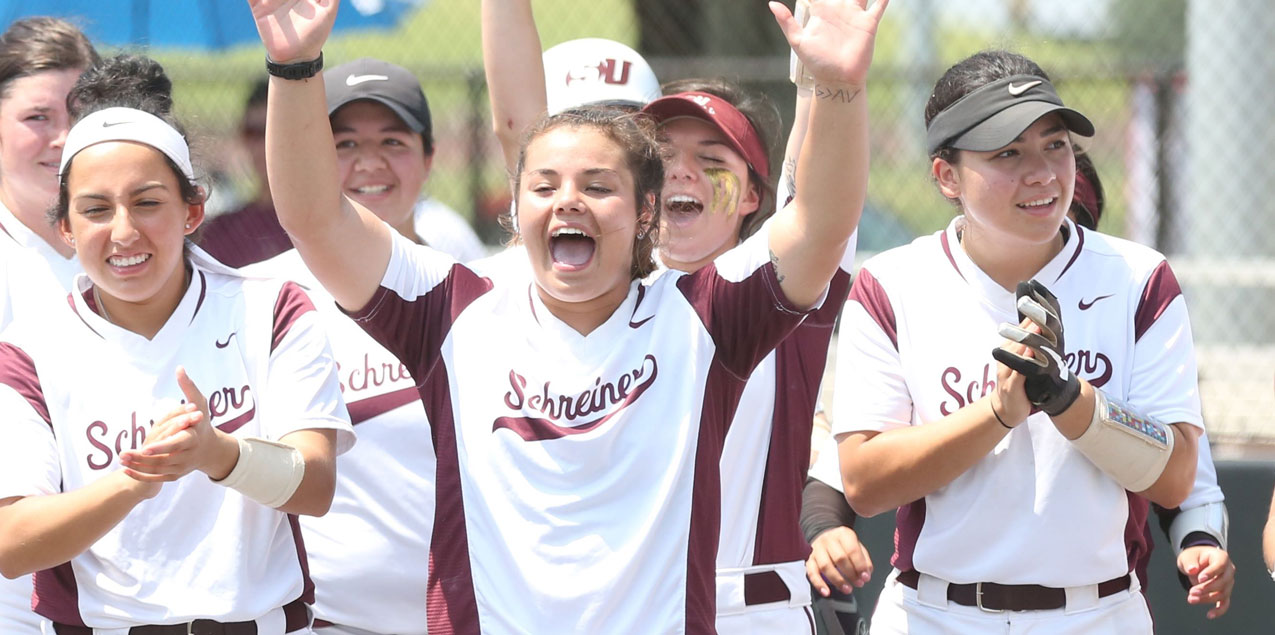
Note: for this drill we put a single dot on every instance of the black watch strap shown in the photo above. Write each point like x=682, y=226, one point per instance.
x=298, y=70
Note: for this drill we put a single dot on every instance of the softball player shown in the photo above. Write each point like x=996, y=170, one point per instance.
x=95, y=492
x=562, y=460
x=365, y=555
x=1022, y=477
x=1197, y=530
x=716, y=195
x=40, y=58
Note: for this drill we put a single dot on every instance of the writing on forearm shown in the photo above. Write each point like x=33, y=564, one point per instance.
x=838, y=95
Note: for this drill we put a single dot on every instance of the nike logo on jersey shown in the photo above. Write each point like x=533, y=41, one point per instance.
x=220, y=344
x=1084, y=306
x=1019, y=89
x=355, y=80
x=604, y=397
x=639, y=323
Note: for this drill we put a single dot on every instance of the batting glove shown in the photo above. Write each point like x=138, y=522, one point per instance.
x=1050, y=386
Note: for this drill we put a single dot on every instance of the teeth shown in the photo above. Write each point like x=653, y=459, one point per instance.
x=1038, y=202
x=569, y=231
x=680, y=199
x=120, y=261
x=372, y=189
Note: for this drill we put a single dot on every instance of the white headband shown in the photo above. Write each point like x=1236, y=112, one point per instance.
x=127, y=124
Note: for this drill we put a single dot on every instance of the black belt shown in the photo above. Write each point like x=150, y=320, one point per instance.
x=296, y=617
x=764, y=587
x=991, y=596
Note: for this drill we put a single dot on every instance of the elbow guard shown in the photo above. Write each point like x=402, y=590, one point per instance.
x=1211, y=519
x=267, y=472
x=1130, y=447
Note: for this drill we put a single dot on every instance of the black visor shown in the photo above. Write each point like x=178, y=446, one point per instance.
x=994, y=115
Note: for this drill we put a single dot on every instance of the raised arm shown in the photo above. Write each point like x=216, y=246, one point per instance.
x=808, y=237
x=345, y=246
x=515, y=72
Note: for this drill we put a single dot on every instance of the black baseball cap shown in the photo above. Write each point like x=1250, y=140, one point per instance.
x=995, y=114
x=389, y=84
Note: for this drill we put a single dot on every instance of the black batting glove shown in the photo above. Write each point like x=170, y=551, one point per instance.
x=1050, y=385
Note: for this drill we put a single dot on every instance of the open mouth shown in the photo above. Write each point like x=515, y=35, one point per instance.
x=682, y=208
x=571, y=248
x=1039, y=205
x=370, y=190
x=124, y=262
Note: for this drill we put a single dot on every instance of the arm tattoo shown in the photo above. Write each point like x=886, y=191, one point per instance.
x=774, y=261
x=837, y=94
x=790, y=178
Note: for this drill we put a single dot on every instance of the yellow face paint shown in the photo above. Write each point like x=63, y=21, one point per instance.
x=726, y=190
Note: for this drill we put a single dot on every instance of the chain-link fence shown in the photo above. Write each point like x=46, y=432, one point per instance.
x=1176, y=89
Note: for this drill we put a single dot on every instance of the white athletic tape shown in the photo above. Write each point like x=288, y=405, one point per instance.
x=1211, y=519
x=804, y=81
x=1132, y=448
x=267, y=472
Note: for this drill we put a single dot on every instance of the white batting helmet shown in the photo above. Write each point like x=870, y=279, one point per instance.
x=597, y=71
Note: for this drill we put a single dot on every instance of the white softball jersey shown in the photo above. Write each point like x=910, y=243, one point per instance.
x=916, y=346
x=75, y=401
x=14, y=234
x=33, y=277
x=578, y=481
x=763, y=470
x=369, y=554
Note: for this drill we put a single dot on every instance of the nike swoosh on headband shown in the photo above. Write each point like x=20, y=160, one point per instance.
x=355, y=80
x=1019, y=89
x=108, y=124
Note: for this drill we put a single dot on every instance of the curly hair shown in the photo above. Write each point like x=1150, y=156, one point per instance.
x=126, y=81
x=643, y=154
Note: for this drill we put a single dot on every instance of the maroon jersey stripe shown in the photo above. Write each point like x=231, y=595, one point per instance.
x=17, y=371
x=1162, y=288
x=55, y=595
x=1137, y=538
x=799, y=366
x=450, y=600
x=307, y=589
x=871, y=295
x=907, y=528
x=722, y=389
x=947, y=250
x=365, y=409
x=288, y=308
x=1080, y=247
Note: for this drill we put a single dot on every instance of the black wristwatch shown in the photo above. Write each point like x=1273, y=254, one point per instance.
x=298, y=70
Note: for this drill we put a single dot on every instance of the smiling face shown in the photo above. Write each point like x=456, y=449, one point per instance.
x=33, y=127
x=127, y=222
x=577, y=215
x=707, y=194
x=1016, y=195
x=382, y=162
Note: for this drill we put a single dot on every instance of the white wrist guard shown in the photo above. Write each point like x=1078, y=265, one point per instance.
x=267, y=472
x=1132, y=448
x=1210, y=518
x=804, y=81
